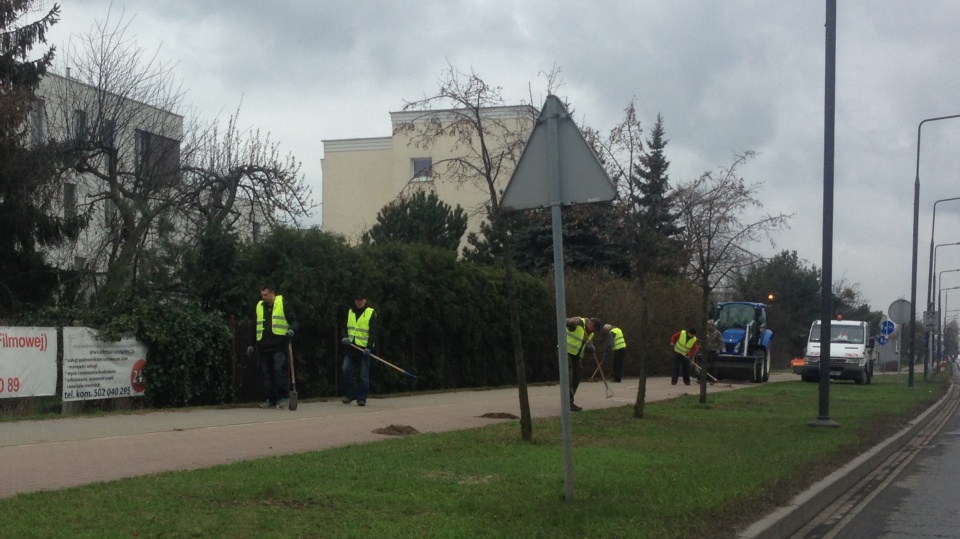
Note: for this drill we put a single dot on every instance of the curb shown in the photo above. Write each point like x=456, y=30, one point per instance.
x=788, y=519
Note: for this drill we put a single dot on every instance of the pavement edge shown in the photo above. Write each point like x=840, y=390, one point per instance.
x=788, y=519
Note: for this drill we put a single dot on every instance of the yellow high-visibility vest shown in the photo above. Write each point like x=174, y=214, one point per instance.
x=577, y=339
x=618, y=340
x=359, y=329
x=279, y=325
x=684, y=345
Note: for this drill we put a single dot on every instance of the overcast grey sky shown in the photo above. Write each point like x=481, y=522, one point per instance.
x=728, y=76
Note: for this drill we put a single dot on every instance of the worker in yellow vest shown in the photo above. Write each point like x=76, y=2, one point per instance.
x=685, y=346
x=276, y=323
x=616, y=344
x=362, y=330
x=580, y=332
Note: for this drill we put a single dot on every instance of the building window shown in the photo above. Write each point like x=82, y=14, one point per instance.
x=69, y=200
x=157, y=157
x=108, y=139
x=38, y=122
x=423, y=169
x=79, y=126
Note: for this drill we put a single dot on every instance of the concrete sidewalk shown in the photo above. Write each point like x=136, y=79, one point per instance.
x=60, y=453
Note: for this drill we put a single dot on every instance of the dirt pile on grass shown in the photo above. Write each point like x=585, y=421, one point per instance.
x=396, y=430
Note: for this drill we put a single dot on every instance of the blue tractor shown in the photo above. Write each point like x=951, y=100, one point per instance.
x=746, y=341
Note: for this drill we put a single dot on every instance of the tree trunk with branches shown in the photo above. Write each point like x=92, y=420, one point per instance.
x=146, y=170
x=717, y=231
x=486, y=148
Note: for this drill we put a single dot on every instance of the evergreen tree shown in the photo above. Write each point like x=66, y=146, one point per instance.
x=419, y=218
x=29, y=216
x=658, y=221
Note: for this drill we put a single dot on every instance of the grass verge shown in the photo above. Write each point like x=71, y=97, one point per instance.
x=686, y=470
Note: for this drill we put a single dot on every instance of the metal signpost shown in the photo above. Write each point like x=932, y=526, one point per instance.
x=557, y=168
x=901, y=312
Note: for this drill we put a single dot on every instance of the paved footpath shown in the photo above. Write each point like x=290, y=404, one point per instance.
x=60, y=453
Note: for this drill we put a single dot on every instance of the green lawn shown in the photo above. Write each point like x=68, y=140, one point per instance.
x=686, y=470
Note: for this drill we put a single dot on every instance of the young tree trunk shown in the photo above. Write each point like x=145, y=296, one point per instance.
x=526, y=422
x=644, y=323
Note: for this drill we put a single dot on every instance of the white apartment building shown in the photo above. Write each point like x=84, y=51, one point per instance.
x=145, y=144
x=361, y=176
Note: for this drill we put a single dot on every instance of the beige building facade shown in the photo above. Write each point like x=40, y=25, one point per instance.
x=361, y=176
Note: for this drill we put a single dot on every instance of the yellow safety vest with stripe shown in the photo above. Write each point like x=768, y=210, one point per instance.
x=684, y=345
x=278, y=322
x=618, y=340
x=359, y=329
x=577, y=339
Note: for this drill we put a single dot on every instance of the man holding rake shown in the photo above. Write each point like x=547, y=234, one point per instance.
x=358, y=345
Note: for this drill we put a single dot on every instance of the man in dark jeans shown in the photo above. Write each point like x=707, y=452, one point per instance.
x=359, y=342
x=276, y=323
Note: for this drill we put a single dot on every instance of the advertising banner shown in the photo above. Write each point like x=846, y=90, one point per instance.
x=98, y=369
x=28, y=362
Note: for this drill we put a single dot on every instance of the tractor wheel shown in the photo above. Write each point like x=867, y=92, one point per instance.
x=758, y=362
x=766, y=369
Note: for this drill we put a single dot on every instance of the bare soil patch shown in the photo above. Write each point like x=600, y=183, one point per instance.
x=396, y=430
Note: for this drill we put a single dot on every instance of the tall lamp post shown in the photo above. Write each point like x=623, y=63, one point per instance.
x=928, y=348
x=939, y=297
x=916, y=220
x=941, y=317
x=933, y=224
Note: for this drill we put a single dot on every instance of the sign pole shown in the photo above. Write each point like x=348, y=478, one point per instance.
x=553, y=171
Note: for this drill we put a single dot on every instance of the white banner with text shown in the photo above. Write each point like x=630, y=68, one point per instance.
x=28, y=362
x=98, y=369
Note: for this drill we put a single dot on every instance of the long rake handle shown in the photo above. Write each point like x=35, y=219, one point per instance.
x=602, y=376
x=694, y=363
x=385, y=362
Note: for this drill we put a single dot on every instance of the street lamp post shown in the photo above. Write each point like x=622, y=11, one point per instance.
x=928, y=348
x=939, y=297
x=942, y=316
x=933, y=224
x=916, y=220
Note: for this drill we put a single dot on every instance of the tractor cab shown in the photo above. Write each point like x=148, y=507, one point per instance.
x=746, y=340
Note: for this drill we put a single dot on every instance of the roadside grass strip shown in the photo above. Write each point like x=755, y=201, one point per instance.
x=685, y=470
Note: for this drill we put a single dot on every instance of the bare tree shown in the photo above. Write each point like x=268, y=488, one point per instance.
x=712, y=209
x=240, y=180
x=136, y=159
x=621, y=153
x=485, y=149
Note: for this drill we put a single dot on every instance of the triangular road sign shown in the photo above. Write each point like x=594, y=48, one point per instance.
x=556, y=155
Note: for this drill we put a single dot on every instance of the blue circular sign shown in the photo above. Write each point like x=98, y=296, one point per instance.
x=881, y=340
x=887, y=327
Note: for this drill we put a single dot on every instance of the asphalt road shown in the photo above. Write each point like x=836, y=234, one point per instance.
x=922, y=500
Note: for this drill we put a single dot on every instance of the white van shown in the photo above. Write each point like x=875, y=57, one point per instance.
x=852, y=353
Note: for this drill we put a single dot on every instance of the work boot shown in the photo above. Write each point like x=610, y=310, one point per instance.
x=347, y=400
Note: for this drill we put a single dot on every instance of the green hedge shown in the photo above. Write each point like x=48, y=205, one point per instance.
x=442, y=319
